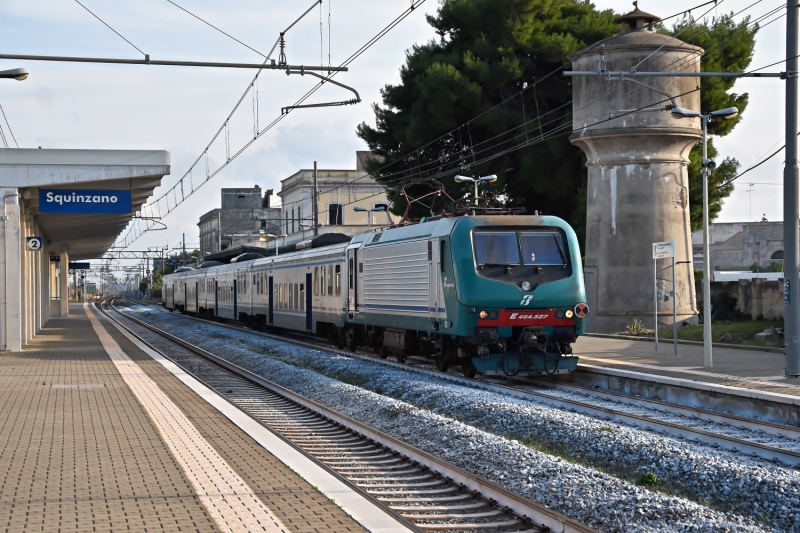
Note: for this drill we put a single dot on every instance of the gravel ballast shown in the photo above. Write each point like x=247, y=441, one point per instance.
x=480, y=431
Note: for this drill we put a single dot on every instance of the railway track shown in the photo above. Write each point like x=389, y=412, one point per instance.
x=428, y=493
x=766, y=440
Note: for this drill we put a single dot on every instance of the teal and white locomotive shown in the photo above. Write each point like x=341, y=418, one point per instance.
x=494, y=294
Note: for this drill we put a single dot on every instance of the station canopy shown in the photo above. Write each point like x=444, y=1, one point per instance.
x=79, y=197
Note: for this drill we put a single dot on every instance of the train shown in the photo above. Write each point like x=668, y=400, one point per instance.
x=497, y=295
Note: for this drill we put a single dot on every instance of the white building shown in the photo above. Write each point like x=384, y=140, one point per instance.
x=339, y=192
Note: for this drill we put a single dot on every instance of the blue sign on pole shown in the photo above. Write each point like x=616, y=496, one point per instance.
x=73, y=265
x=84, y=201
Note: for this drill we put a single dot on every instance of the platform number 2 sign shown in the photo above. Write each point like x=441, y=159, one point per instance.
x=34, y=243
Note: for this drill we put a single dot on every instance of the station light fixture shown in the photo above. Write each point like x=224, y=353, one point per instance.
x=466, y=179
x=708, y=165
x=18, y=74
x=376, y=209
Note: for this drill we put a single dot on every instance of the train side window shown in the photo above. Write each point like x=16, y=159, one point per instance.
x=338, y=280
x=442, y=255
x=330, y=279
x=430, y=251
x=296, y=296
x=302, y=296
x=316, y=281
x=350, y=270
x=360, y=268
x=291, y=297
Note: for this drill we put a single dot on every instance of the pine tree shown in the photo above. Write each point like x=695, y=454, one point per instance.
x=486, y=53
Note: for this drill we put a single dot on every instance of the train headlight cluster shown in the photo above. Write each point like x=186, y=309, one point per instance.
x=569, y=313
x=526, y=286
x=483, y=314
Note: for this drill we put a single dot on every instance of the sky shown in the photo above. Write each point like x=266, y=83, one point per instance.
x=99, y=106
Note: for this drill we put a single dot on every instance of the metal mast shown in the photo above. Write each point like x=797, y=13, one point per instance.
x=791, y=211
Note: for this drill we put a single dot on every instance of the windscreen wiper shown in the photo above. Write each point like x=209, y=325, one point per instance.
x=560, y=251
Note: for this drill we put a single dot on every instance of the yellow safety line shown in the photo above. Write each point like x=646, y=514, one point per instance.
x=230, y=502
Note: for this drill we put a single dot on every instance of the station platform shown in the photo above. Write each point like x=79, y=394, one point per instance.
x=97, y=435
x=732, y=367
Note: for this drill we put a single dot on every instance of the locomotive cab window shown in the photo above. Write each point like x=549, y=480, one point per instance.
x=496, y=248
x=543, y=248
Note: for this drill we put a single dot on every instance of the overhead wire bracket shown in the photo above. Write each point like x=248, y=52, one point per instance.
x=303, y=72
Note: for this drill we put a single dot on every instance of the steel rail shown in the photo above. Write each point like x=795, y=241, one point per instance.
x=708, y=415
x=523, y=507
x=725, y=442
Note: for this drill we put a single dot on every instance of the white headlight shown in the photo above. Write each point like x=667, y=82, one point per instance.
x=569, y=313
x=526, y=286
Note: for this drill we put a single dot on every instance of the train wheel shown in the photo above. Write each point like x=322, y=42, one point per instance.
x=467, y=368
x=383, y=353
x=442, y=364
x=401, y=358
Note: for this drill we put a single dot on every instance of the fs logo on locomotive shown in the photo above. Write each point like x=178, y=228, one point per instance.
x=526, y=299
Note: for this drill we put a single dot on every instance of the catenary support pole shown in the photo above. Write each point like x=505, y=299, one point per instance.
x=791, y=212
x=674, y=308
x=315, y=205
x=708, y=360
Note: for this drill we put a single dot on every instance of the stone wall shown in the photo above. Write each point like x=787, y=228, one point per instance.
x=759, y=297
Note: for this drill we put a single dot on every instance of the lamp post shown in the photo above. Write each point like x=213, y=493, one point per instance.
x=465, y=179
x=18, y=74
x=708, y=166
x=378, y=209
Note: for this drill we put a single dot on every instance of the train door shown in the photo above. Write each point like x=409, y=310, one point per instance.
x=170, y=296
x=352, y=279
x=216, y=298
x=235, y=300
x=433, y=279
x=308, y=301
x=271, y=301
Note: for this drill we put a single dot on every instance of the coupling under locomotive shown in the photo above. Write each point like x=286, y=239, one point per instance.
x=494, y=294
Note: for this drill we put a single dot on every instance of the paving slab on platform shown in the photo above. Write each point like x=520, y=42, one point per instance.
x=79, y=452
x=734, y=367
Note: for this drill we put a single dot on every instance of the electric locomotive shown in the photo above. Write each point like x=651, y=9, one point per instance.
x=495, y=294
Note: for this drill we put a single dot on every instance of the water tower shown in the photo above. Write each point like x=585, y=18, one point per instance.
x=638, y=184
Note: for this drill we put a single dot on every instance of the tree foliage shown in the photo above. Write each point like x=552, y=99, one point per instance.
x=487, y=52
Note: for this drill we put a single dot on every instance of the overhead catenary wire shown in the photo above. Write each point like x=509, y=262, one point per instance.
x=156, y=205
x=9, y=128
x=358, y=53
x=216, y=28
x=110, y=28
x=418, y=168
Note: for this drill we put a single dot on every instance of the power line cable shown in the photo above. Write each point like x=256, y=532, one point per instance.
x=110, y=28
x=157, y=204
x=219, y=30
x=438, y=162
x=9, y=128
x=359, y=52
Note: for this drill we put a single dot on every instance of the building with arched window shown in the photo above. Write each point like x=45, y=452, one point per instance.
x=741, y=245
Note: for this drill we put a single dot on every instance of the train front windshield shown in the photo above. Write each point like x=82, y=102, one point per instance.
x=508, y=248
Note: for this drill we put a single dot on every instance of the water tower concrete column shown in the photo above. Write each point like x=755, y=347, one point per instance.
x=638, y=187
